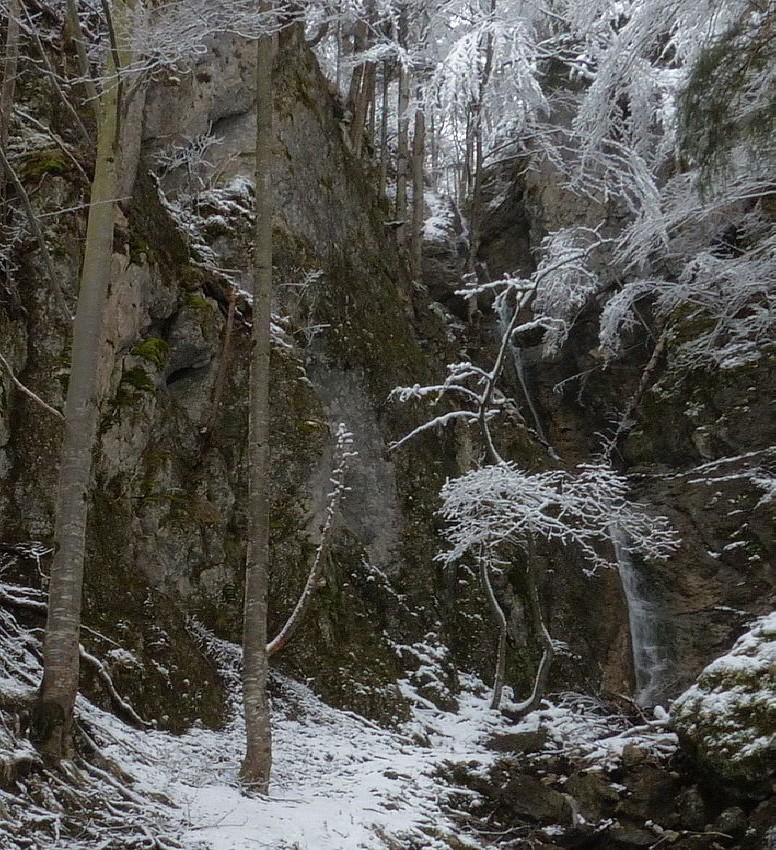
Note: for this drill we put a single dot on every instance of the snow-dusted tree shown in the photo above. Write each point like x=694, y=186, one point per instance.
x=496, y=508
x=258, y=758
x=52, y=719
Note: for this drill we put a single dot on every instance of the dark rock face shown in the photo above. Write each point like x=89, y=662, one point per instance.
x=693, y=452
x=166, y=534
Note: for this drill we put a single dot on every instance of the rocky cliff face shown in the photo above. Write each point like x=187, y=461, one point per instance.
x=166, y=536
x=166, y=532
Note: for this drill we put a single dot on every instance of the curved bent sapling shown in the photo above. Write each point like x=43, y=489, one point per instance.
x=343, y=454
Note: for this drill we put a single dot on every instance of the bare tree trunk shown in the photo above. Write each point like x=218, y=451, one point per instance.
x=10, y=68
x=384, y=128
x=418, y=207
x=52, y=721
x=501, y=624
x=257, y=764
x=363, y=102
x=7, y=97
x=434, y=151
x=223, y=366
x=74, y=32
x=474, y=143
x=540, y=629
x=403, y=154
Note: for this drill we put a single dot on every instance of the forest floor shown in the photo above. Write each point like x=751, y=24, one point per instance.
x=339, y=782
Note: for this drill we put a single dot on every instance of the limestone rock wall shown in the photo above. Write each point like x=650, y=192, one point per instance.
x=166, y=535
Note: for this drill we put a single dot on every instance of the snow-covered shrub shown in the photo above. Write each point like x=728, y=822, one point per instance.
x=728, y=717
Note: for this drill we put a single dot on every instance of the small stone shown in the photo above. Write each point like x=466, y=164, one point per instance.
x=633, y=755
x=732, y=822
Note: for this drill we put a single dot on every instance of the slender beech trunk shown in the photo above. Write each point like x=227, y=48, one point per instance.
x=384, y=128
x=258, y=757
x=418, y=152
x=52, y=720
x=403, y=154
x=500, y=621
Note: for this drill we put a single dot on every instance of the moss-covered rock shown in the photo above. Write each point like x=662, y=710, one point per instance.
x=728, y=718
x=153, y=350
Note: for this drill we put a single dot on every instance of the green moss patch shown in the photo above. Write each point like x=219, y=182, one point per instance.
x=153, y=350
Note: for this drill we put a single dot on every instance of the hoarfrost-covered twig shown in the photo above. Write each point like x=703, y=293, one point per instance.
x=343, y=456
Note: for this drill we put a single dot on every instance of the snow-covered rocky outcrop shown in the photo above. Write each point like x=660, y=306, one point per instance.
x=729, y=716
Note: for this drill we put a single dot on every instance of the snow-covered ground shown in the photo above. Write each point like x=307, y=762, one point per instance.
x=340, y=782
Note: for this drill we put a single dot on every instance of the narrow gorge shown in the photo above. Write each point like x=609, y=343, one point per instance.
x=555, y=318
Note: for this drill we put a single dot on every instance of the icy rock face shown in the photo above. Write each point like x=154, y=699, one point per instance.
x=728, y=718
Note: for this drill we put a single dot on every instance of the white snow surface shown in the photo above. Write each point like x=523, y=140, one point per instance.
x=339, y=781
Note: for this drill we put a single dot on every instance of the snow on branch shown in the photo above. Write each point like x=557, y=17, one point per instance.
x=344, y=455
x=502, y=504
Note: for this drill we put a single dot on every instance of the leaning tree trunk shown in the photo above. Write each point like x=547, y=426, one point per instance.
x=52, y=720
x=258, y=757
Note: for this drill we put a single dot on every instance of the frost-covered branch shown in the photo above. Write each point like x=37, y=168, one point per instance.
x=501, y=504
x=344, y=455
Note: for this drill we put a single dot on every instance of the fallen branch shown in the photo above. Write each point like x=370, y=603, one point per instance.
x=106, y=679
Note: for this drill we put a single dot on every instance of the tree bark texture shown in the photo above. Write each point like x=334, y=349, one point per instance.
x=53, y=714
x=258, y=757
x=418, y=206
x=403, y=154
